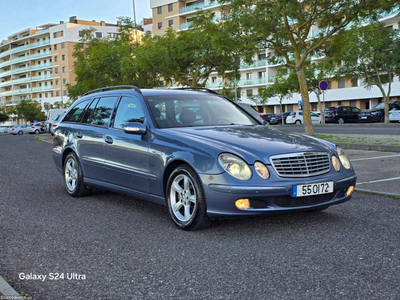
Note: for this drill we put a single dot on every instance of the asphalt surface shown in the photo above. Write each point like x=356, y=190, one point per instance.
x=113, y=246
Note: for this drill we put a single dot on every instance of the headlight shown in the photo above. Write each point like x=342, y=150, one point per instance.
x=336, y=163
x=343, y=158
x=235, y=166
x=261, y=170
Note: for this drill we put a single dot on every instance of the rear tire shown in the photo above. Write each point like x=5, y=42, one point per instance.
x=73, y=177
x=37, y=131
x=20, y=132
x=185, y=199
x=297, y=122
x=340, y=121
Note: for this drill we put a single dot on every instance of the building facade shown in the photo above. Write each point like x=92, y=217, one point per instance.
x=37, y=63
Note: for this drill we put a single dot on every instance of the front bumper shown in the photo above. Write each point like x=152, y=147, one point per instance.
x=273, y=198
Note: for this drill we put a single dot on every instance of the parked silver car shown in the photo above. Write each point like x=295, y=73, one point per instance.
x=35, y=128
x=54, y=123
x=19, y=129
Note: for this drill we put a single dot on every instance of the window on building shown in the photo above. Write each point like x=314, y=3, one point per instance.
x=99, y=35
x=249, y=76
x=249, y=92
x=261, y=56
x=213, y=79
x=55, y=35
x=112, y=35
x=65, y=92
x=329, y=85
x=261, y=75
x=63, y=57
x=64, y=69
x=61, y=33
x=64, y=81
x=159, y=10
x=80, y=33
x=289, y=107
x=62, y=45
x=55, y=47
x=56, y=70
x=354, y=82
x=46, y=95
x=57, y=94
x=170, y=7
x=57, y=81
x=389, y=27
x=171, y=23
x=55, y=58
x=341, y=84
x=159, y=25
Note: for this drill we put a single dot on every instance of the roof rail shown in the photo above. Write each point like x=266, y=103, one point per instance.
x=116, y=87
x=196, y=88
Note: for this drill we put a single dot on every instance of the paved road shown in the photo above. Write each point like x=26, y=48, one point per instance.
x=129, y=249
x=357, y=128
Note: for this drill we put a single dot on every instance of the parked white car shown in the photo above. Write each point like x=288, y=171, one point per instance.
x=394, y=115
x=296, y=117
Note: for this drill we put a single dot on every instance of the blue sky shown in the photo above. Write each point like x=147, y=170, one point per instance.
x=17, y=15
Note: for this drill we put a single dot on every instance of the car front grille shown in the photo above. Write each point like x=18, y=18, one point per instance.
x=303, y=164
x=288, y=201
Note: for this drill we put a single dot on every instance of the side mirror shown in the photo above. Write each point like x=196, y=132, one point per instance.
x=135, y=128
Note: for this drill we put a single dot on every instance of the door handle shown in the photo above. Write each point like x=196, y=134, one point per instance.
x=79, y=134
x=108, y=139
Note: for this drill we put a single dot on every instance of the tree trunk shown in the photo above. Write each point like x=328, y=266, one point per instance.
x=301, y=76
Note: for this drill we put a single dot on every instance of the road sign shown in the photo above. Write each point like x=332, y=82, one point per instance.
x=299, y=103
x=323, y=85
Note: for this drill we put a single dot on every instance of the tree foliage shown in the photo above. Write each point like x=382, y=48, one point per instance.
x=288, y=29
x=4, y=116
x=370, y=53
x=29, y=111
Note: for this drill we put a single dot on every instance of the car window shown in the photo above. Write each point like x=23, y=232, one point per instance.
x=129, y=110
x=74, y=114
x=346, y=109
x=88, y=116
x=314, y=115
x=196, y=110
x=103, y=110
x=300, y=113
x=356, y=110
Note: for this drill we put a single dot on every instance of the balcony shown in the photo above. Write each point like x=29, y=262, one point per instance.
x=5, y=63
x=41, y=66
x=23, y=69
x=257, y=81
x=7, y=93
x=42, y=77
x=197, y=6
x=5, y=53
x=38, y=44
x=4, y=74
x=42, y=88
x=255, y=64
x=20, y=48
x=47, y=53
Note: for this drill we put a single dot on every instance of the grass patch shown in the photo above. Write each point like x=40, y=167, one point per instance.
x=39, y=139
x=359, y=139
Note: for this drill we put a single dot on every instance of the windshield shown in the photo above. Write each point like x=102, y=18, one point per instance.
x=380, y=105
x=196, y=110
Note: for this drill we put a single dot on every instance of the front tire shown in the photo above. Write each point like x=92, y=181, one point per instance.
x=73, y=177
x=185, y=199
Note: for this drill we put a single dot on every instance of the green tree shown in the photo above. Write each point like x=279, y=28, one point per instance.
x=29, y=111
x=370, y=53
x=4, y=116
x=287, y=29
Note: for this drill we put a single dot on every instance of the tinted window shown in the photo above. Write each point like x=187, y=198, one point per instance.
x=129, y=110
x=88, y=116
x=102, y=112
x=74, y=114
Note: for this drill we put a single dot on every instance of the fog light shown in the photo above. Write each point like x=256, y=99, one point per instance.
x=243, y=203
x=350, y=190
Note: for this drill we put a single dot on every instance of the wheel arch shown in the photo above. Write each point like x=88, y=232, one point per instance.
x=171, y=167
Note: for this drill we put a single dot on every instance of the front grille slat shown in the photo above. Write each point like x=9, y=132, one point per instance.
x=303, y=164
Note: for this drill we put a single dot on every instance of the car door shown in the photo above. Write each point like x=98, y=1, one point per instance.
x=354, y=115
x=89, y=135
x=126, y=155
x=315, y=119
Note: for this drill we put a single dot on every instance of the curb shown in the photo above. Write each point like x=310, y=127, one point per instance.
x=369, y=147
x=376, y=193
x=7, y=292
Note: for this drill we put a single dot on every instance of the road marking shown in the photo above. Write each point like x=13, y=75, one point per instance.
x=381, y=180
x=374, y=157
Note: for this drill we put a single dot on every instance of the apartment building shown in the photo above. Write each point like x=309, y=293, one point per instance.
x=177, y=15
x=37, y=63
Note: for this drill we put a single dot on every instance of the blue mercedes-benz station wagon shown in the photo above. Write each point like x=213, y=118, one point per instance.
x=196, y=152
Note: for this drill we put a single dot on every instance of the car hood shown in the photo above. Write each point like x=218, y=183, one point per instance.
x=251, y=142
